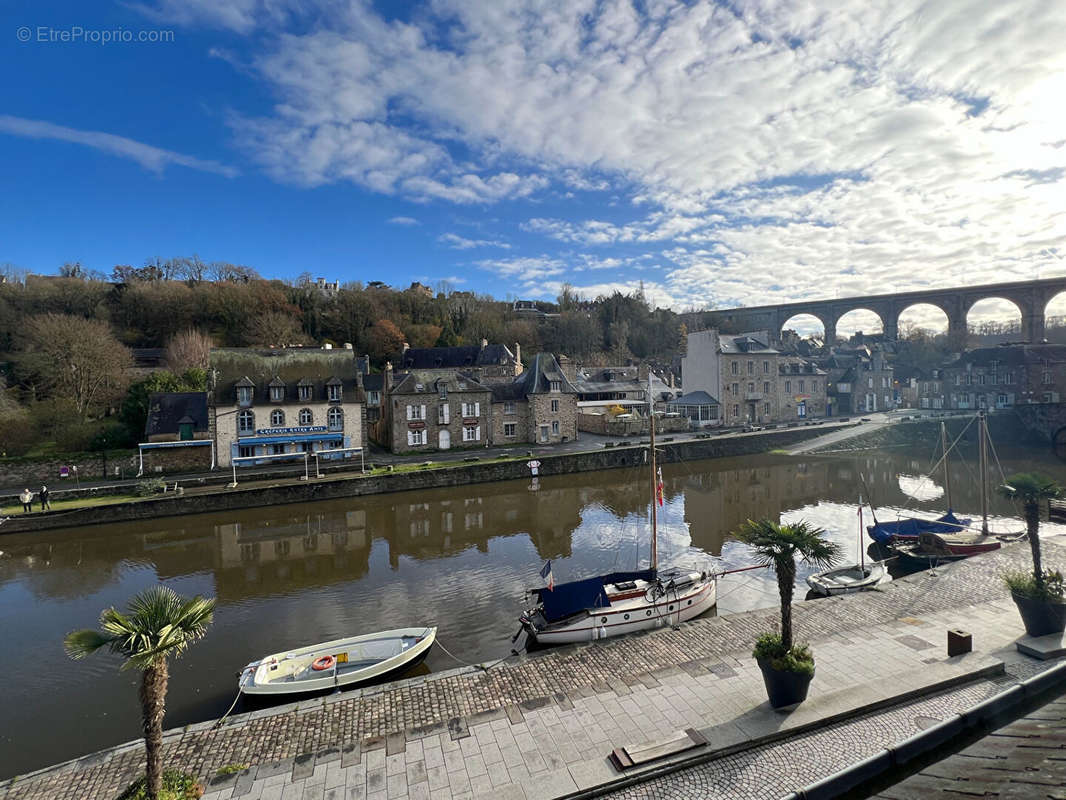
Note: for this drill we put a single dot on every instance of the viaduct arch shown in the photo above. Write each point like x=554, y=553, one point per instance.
x=1031, y=298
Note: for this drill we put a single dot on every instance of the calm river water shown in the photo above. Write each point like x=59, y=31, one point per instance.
x=457, y=558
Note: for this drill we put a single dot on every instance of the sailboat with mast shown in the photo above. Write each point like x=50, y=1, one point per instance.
x=911, y=528
x=620, y=602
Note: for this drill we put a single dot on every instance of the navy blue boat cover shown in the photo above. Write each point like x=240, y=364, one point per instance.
x=911, y=527
x=570, y=598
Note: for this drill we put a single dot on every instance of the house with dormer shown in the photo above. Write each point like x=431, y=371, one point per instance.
x=434, y=410
x=283, y=402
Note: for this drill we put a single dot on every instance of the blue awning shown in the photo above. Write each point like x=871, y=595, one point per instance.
x=295, y=437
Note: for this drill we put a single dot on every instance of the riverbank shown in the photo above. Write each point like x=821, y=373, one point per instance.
x=541, y=726
x=199, y=498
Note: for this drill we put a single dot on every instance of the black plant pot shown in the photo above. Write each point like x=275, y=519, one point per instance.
x=784, y=687
x=1040, y=617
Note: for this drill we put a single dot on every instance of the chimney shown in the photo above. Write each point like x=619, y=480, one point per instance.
x=518, y=353
x=568, y=367
x=406, y=347
x=484, y=343
x=642, y=372
x=388, y=376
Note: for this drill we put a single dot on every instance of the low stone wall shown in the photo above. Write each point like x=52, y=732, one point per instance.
x=429, y=478
x=34, y=473
x=606, y=425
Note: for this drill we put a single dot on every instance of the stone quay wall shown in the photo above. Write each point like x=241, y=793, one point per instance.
x=328, y=488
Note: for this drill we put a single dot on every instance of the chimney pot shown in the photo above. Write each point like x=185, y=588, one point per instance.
x=484, y=342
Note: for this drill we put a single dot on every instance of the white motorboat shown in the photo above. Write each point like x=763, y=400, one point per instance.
x=619, y=602
x=342, y=662
x=853, y=578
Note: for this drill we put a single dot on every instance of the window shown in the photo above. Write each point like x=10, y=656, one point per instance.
x=869, y=383
x=510, y=429
x=751, y=367
x=306, y=417
x=277, y=418
x=444, y=414
x=277, y=449
x=277, y=394
x=305, y=393
x=1001, y=400
x=244, y=395
x=442, y=391
x=803, y=388
x=766, y=408
x=766, y=387
x=555, y=406
x=416, y=412
x=556, y=386
x=544, y=433
x=245, y=451
x=735, y=367
x=373, y=398
x=751, y=387
x=471, y=409
x=1009, y=378
x=416, y=437
x=969, y=379
x=765, y=367
x=1046, y=378
x=735, y=388
x=508, y=407
x=736, y=410
x=788, y=387
x=333, y=392
x=246, y=422
x=335, y=419
x=555, y=427
x=471, y=433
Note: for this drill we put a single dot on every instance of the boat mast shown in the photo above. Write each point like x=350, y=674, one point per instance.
x=862, y=555
x=654, y=482
x=982, y=435
x=947, y=473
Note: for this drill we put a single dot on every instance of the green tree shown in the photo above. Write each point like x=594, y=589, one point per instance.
x=159, y=624
x=1032, y=489
x=777, y=546
x=134, y=411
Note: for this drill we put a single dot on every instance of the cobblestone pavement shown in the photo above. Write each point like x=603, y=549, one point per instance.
x=1021, y=760
x=564, y=703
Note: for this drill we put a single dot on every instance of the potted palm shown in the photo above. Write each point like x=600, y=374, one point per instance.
x=787, y=669
x=158, y=624
x=1038, y=594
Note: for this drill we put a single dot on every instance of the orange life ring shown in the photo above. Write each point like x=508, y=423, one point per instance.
x=326, y=662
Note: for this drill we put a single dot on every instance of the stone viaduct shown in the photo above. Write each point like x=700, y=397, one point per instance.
x=1031, y=298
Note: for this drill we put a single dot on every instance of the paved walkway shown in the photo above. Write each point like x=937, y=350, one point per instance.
x=541, y=726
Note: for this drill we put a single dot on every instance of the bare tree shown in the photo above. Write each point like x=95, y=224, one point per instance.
x=274, y=329
x=187, y=350
x=75, y=359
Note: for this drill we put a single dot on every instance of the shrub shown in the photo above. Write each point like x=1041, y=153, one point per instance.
x=150, y=486
x=1024, y=583
x=799, y=659
x=176, y=786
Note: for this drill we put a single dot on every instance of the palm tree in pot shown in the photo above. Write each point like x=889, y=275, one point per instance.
x=159, y=624
x=787, y=668
x=1039, y=594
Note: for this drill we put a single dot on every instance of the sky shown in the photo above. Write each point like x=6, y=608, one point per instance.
x=719, y=154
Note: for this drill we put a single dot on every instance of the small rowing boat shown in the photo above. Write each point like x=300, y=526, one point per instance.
x=342, y=662
x=854, y=578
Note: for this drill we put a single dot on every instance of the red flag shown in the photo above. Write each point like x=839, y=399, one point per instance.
x=659, y=486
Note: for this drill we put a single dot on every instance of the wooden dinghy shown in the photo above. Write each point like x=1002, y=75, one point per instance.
x=342, y=662
x=855, y=578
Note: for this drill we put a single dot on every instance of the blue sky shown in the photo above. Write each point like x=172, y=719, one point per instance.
x=723, y=154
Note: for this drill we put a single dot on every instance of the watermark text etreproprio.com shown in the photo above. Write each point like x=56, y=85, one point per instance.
x=76, y=34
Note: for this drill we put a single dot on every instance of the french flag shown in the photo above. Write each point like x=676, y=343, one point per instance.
x=546, y=573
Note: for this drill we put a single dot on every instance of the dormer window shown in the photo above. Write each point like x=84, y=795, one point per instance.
x=556, y=386
x=276, y=388
x=442, y=389
x=333, y=390
x=245, y=392
x=305, y=389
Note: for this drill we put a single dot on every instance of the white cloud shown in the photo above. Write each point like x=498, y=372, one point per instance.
x=528, y=271
x=772, y=150
x=403, y=221
x=456, y=242
x=151, y=158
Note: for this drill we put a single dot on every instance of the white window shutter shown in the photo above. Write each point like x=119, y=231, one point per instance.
x=477, y=434
x=477, y=412
x=409, y=413
x=410, y=438
x=447, y=413
x=423, y=410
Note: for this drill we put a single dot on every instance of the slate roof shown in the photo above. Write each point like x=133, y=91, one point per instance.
x=697, y=398
x=242, y=366
x=455, y=357
x=1012, y=354
x=756, y=342
x=167, y=410
x=600, y=380
x=374, y=382
x=535, y=379
x=409, y=383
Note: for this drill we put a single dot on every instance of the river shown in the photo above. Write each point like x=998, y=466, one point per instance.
x=458, y=558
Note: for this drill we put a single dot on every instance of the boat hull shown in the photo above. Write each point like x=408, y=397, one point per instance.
x=255, y=678
x=624, y=618
x=829, y=583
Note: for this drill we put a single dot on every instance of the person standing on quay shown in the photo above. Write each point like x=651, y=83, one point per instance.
x=27, y=501
x=43, y=496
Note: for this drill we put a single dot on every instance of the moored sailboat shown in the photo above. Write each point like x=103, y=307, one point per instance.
x=620, y=602
x=853, y=578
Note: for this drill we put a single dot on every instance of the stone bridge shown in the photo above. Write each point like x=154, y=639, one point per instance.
x=1030, y=297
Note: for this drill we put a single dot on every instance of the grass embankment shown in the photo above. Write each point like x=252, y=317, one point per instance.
x=15, y=509
x=924, y=433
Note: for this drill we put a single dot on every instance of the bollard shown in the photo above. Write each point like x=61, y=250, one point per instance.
x=959, y=642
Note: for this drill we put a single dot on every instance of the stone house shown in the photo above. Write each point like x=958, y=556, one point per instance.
x=1003, y=376
x=177, y=435
x=803, y=390
x=861, y=380
x=741, y=371
x=435, y=410
x=283, y=402
x=539, y=406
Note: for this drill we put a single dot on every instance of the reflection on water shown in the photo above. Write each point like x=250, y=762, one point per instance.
x=458, y=558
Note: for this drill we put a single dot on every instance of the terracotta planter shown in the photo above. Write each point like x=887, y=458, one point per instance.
x=1041, y=617
x=783, y=687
